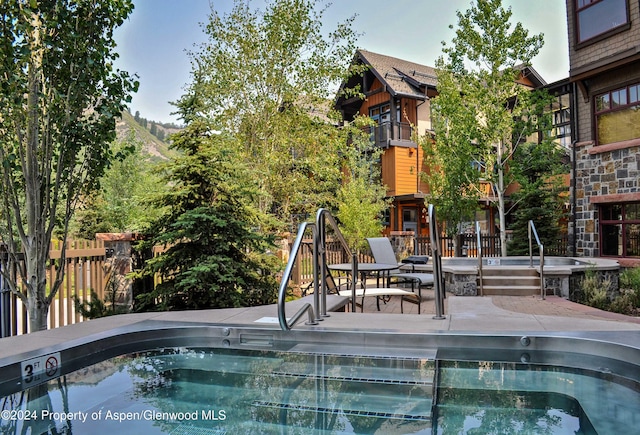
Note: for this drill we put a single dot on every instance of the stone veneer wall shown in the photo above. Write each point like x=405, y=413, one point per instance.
x=603, y=173
x=614, y=174
x=606, y=173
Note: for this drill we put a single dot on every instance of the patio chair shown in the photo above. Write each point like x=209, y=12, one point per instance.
x=382, y=252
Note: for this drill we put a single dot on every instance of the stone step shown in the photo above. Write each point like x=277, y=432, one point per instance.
x=510, y=271
x=510, y=290
x=514, y=281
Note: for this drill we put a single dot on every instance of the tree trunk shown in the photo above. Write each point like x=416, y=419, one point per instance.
x=38, y=306
x=501, y=207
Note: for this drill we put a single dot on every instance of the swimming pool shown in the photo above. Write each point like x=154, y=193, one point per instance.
x=186, y=379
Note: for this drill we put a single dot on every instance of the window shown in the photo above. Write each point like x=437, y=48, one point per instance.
x=382, y=114
x=561, y=121
x=410, y=219
x=620, y=229
x=617, y=115
x=596, y=17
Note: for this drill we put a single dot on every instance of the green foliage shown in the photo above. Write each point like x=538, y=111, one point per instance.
x=96, y=308
x=594, y=290
x=479, y=110
x=216, y=255
x=629, y=300
x=361, y=197
x=630, y=278
x=123, y=203
x=59, y=99
x=266, y=77
x=539, y=197
x=450, y=181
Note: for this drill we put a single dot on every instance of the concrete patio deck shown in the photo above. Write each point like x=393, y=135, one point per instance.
x=462, y=314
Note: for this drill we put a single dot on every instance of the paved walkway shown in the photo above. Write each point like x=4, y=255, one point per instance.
x=532, y=305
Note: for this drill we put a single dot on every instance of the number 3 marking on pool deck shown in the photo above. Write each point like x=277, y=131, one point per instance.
x=47, y=365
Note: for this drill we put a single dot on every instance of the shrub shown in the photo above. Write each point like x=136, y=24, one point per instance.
x=629, y=292
x=594, y=290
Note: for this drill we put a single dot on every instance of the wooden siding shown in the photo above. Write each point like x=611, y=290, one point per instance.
x=400, y=167
x=388, y=170
x=374, y=100
x=408, y=109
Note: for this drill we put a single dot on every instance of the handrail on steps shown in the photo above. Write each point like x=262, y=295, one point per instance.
x=532, y=229
x=319, y=270
x=437, y=263
x=479, y=250
x=282, y=291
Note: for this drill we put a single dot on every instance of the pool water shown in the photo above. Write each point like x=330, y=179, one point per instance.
x=231, y=391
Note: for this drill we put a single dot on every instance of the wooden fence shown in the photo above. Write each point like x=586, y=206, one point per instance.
x=85, y=271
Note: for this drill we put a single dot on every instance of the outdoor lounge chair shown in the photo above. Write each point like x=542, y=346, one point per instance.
x=382, y=252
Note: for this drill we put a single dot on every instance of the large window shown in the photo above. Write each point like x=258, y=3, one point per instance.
x=617, y=115
x=596, y=17
x=620, y=229
x=561, y=121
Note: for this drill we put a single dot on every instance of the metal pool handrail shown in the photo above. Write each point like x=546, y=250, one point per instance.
x=479, y=239
x=319, y=307
x=282, y=291
x=532, y=229
x=322, y=217
x=437, y=263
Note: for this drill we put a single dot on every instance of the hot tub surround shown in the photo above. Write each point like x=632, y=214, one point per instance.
x=562, y=275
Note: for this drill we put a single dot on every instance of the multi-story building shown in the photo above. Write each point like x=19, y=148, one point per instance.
x=604, y=54
x=397, y=97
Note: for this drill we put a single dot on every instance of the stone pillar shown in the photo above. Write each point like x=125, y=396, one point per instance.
x=402, y=242
x=118, y=264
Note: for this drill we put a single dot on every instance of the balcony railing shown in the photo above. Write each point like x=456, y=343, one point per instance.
x=385, y=133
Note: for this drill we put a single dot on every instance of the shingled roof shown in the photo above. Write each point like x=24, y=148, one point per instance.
x=401, y=77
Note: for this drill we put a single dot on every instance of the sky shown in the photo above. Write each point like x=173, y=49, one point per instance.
x=154, y=41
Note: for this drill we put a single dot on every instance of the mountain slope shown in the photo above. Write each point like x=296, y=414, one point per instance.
x=153, y=147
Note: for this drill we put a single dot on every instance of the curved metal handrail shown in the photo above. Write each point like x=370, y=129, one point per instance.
x=437, y=263
x=322, y=217
x=319, y=271
x=282, y=291
x=479, y=250
x=532, y=229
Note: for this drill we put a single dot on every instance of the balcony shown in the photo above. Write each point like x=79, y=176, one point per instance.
x=388, y=134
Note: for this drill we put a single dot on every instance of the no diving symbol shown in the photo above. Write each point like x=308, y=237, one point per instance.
x=51, y=366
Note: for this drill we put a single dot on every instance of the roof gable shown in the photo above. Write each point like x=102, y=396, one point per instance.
x=401, y=77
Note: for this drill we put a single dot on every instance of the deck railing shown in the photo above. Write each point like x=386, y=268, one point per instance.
x=385, y=132
x=84, y=272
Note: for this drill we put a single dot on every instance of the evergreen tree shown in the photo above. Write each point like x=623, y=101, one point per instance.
x=539, y=198
x=215, y=256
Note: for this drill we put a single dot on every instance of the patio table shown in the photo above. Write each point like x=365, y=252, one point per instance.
x=381, y=270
